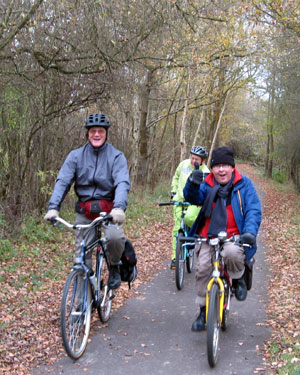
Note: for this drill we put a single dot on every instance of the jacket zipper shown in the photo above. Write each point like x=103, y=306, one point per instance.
x=95, y=173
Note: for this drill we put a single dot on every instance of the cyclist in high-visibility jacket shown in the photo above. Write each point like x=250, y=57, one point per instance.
x=185, y=168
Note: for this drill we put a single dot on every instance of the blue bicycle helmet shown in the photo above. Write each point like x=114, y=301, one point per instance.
x=199, y=151
x=97, y=119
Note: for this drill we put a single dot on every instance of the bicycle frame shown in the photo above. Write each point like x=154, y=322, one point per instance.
x=216, y=278
x=100, y=242
x=218, y=272
x=84, y=290
x=183, y=227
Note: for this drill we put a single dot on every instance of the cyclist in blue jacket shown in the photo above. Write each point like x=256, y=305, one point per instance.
x=229, y=203
x=101, y=181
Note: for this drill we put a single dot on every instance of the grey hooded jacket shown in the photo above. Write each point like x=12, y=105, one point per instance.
x=98, y=173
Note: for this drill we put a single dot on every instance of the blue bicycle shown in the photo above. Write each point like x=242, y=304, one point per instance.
x=184, y=253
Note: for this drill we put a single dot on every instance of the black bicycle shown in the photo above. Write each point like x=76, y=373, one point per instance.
x=184, y=254
x=85, y=290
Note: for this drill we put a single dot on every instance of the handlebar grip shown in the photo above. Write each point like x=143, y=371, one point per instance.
x=187, y=239
x=53, y=221
x=166, y=204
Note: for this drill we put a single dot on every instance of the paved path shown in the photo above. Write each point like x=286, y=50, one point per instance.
x=151, y=334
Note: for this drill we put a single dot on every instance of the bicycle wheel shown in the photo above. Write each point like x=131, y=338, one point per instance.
x=190, y=260
x=75, y=315
x=213, y=325
x=105, y=295
x=225, y=318
x=180, y=263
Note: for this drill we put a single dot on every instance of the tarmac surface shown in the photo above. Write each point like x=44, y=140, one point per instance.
x=152, y=334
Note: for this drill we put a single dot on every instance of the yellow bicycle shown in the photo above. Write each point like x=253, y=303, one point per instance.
x=218, y=295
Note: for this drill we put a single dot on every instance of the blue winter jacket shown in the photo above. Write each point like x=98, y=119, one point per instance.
x=244, y=200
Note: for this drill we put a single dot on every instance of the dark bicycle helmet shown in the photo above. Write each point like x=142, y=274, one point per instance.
x=199, y=151
x=97, y=119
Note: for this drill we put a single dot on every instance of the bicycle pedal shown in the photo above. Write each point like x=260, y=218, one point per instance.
x=111, y=297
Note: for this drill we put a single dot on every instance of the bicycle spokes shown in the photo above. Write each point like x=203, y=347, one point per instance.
x=76, y=309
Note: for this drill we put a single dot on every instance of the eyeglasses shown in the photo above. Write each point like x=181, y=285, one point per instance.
x=97, y=131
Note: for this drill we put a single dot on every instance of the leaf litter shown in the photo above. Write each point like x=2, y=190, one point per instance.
x=29, y=317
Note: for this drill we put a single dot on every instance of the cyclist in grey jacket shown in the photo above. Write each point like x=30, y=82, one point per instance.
x=101, y=181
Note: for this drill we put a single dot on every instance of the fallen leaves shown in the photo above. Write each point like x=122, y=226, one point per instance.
x=282, y=238
x=29, y=316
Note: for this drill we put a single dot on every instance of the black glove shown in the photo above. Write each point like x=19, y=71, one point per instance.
x=247, y=238
x=197, y=175
x=172, y=195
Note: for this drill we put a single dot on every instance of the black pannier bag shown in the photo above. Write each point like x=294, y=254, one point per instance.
x=128, y=268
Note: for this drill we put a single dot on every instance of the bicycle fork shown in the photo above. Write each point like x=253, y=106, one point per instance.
x=216, y=279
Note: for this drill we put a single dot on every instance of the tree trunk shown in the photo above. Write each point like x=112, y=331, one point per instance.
x=198, y=128
x=183, y=123
x=144, y=131
x=217, y=129
x=136, y=138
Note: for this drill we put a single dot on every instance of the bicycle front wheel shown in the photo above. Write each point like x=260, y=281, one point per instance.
x=75, y=316
x=180, y=263
x=213, y=325
x=190, y=260
x=105, y=295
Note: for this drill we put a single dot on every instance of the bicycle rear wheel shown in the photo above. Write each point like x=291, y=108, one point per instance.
x=180, y=263
x=75, y=315
x=190, y=260
x=105, y=295
x=213, y=325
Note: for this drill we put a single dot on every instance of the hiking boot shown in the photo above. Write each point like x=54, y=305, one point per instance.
x=173, y=264
x=114, y=280
x=240, y=289
x=199, y=323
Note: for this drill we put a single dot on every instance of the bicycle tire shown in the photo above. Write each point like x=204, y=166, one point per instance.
x=190, y=261
x=213, y=325
x=225, y=317
x=75, y=316
x=179, y=263
x=105, y=295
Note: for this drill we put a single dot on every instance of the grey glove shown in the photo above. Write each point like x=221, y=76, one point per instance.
x=118, y=215
x=247, y=238
x=197, y=175
x=50, y=214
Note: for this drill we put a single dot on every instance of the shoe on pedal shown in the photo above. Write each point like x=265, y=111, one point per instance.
x=199, y=323
x=240, y=289
x=114, y=280
x=173, y=264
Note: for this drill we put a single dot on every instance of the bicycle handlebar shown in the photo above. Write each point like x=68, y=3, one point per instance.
x=194, y=240
x=100, y=218
x=174, y=203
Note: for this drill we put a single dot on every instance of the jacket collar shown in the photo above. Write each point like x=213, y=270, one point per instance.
x=210, y=178
x=97, y=149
